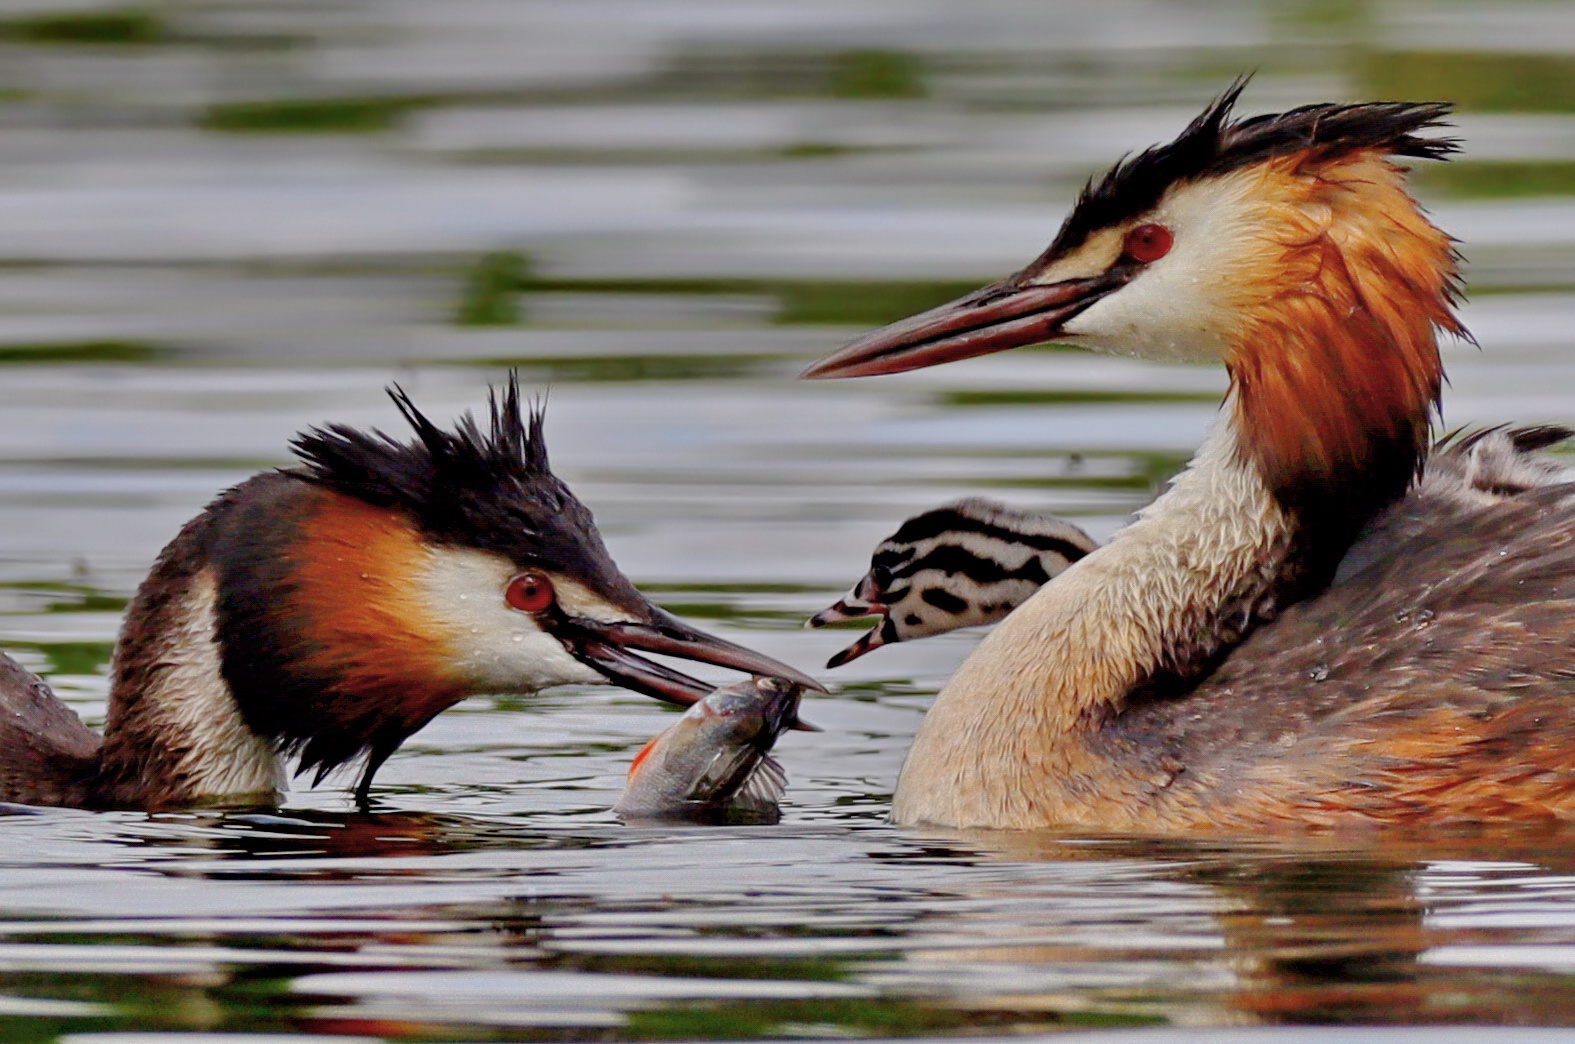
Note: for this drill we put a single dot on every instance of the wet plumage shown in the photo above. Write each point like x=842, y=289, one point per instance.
x=1308, y=626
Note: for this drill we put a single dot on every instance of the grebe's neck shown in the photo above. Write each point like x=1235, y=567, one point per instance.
x=1006, y=743
x=175, y=734
x=1335, y=371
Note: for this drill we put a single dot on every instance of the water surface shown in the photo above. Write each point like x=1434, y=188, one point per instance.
x=221, y=223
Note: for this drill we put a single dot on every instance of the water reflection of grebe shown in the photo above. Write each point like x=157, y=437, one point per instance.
x=1299, y=630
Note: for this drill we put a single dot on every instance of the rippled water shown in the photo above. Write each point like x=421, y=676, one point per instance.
x=223, y=222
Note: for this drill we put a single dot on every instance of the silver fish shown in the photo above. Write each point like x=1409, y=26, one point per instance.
x=713, y=764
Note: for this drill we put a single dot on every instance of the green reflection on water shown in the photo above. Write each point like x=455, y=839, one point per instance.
x=732, y=588
x=807, y=150
x=123, y=26
x=876, y=74
x=737, y=613
x=62, y=597
x=821, y=150
x=80, y=352
x=745, y=608
x=90, y=604
x=24, y=1030
x=863, y=303
x=736, y=72
x=849, y=74
x=1472, y=80
x=366, y=115
x=1490, y=179
x=875, y=1017
x=490, y=286
x=261, y=1000
x=1322, y=13
x=70, y=657
x=1065, y=397
x=602, y=368
x=1147, y=471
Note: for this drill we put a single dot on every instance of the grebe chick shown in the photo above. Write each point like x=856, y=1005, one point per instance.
x=333, y=609
x=1214, y=667
x=962, y=564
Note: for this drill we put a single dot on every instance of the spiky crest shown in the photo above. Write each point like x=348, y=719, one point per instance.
x=492, y=490
x=381, y=470
x=1212, y=144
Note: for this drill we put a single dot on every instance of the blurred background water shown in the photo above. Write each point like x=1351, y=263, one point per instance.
x=222, y=221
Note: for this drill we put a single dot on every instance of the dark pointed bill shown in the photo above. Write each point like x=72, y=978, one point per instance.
x=1000, y=316
x=608, y=648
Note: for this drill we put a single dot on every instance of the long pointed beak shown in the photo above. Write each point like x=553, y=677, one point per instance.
x=1003, y=315
x=609, y=649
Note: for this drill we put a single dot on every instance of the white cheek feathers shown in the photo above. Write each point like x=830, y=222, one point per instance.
x=1176, y=308
x=496, y=647
x=578, y=600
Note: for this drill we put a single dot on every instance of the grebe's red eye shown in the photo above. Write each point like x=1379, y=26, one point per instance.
x=1148, y=243
x=529, y=592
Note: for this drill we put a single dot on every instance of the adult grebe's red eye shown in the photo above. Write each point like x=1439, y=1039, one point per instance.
x=1148, y=243
x=529, y=592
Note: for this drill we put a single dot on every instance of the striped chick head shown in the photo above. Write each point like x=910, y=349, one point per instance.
x=959, y=565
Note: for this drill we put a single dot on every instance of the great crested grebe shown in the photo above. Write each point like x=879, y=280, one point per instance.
x=333, y=609
x=1210, y=669
x=962, y=564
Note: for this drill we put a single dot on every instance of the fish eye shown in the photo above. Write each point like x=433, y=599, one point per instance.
x=1148, y=243
x=529, y=592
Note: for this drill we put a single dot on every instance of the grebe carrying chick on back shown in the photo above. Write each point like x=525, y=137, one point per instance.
x=1317, y=622
x=332, y=610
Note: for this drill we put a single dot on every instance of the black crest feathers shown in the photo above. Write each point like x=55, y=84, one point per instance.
x=1213, y=144
x=381, y=470
x=490, y=489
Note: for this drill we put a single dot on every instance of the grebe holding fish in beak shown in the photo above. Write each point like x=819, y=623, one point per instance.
x=1318, y=622
x=333, y=609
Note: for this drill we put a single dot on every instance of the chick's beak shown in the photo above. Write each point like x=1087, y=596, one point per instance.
x=1004, y=315
x=609, y=648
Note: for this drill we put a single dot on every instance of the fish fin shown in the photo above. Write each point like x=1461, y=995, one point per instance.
x=765, y=785
x=645, y=751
